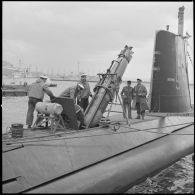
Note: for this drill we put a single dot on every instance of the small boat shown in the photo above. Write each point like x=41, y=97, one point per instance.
x=52, y=85
x=20, y=90
x=15, y=90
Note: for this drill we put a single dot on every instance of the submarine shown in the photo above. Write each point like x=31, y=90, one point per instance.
x=110, y=154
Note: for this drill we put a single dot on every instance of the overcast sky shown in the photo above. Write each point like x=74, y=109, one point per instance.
x=66, y=37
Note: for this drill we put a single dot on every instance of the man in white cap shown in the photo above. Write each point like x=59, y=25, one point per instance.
x=72, y=92
x=36, y=94
x=83, y=97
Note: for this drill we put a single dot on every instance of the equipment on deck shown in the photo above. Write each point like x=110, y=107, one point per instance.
x=123, y=111
x=17, y=130
x=63, y=113
x=70, y=113
x=106, y=88
x=48, y=108
x=49, y=113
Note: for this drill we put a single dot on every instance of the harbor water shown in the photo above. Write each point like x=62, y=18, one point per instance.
x=178, y=178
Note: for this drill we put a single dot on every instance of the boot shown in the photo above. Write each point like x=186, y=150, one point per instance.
x=130, y=117
x=143, y=114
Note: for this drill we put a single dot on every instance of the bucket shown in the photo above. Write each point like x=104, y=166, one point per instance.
x=17, y=130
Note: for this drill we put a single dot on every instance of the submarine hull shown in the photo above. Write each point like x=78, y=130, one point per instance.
x=100, y=160
x=169, y=88
x=118, y=174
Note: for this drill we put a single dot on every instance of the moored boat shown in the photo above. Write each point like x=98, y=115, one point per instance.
x=15, y=90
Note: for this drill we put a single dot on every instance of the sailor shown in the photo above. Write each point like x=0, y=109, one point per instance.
x=127, y=95
x=36, y=93
x=140, y=93
x=83, y=97
x=72, y=92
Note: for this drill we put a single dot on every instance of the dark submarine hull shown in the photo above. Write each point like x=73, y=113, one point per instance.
x=169, y=88
x=96, y=160
x=123, y=171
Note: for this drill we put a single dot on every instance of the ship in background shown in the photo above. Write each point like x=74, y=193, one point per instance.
x=111, y=154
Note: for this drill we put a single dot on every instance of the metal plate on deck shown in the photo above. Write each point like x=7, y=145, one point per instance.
x=68, y=110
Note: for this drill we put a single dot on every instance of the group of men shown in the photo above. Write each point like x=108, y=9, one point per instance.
x=80, y=93
x=137, y=96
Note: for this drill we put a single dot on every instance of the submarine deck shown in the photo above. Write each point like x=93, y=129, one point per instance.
x=115, y=119
x=75, y=150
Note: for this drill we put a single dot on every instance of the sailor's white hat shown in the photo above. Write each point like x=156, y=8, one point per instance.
x=139, y=79
x=83, y=75
x=43, y=76
x=80, y=85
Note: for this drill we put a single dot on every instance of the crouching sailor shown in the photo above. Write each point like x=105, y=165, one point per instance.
x=36, y=94
x=73, y=92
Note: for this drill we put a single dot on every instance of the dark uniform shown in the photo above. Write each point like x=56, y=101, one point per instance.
x=72, y=92
x=140, y=93
x=83, y=97
x=127, y=96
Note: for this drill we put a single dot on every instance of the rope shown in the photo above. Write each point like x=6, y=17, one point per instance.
x=171, y=133
x=189, y=45
x=50, y=135
x=190, y=57
x=115, y=128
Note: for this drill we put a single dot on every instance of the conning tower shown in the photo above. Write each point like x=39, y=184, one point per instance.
x=169, y=87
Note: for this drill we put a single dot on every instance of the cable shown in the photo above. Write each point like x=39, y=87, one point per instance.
x=135, y=130
x=165, y=126
x=171, y=133
x=50, y=135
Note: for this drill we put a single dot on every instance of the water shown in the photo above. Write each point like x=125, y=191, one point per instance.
x=177, y=178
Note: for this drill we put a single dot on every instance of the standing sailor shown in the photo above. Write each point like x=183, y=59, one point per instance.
x=140, y=93
x=83, y=98
x=36, y=94
x=127, y=96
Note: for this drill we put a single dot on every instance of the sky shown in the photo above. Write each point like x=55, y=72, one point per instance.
x=64, y=37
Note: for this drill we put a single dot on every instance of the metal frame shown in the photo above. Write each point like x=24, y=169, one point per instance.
x=53, y=119
x=125, y=114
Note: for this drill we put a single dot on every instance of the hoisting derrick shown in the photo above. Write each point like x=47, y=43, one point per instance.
x=106, y=88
